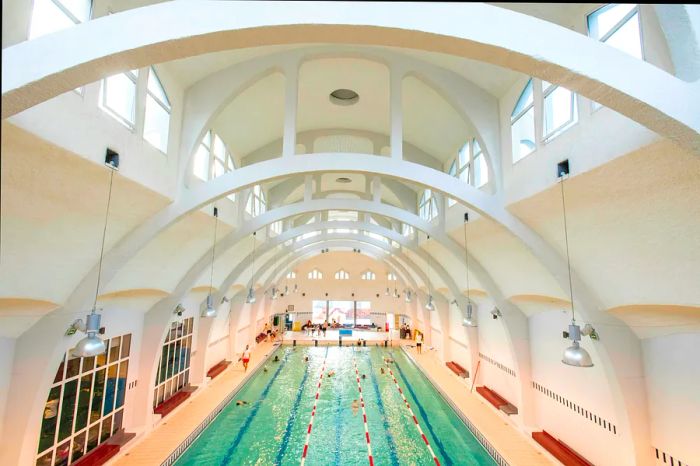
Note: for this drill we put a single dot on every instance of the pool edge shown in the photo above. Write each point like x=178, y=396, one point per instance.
x=481, y=438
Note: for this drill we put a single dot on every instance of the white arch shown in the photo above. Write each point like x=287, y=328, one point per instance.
x=181, y=29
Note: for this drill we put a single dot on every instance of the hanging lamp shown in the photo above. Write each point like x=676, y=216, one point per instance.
x=430, y=305
x=92, y=345
x=574, y=355
x=250, y=299
x=210, y=310
x=469, y=319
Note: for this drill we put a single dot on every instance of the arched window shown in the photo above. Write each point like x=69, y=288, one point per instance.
x=522, y=124
x=257, y=202
x=85, y=405
x=156, y=124
x=618, y=26
x=369, y=275
x=407, y=230
x=118, y=97
x=481, y=168
x=391, y=277
x=174, y=367
x=427, y=206
x=315, y=274
x=292, y=275
x=342, y=275
x=54, y=15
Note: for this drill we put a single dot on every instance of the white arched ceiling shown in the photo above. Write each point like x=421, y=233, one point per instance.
x=180, y=29
x=419, y=126
x=321, y=76
x=254, y=118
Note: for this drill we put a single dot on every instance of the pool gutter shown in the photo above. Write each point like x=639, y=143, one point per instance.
x=472, y=428
x=185, y=444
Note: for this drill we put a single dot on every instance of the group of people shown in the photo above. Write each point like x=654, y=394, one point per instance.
x=270, y=333
x=405, y=331
x=310, y=328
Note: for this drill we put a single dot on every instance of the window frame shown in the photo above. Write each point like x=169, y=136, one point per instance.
x=515, y=117
x=133, y=76
x=63, y=10
x=167, y=106
x=573, y=112
x=604, y=38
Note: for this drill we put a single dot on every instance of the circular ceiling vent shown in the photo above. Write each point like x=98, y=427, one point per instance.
x=344, y=97
x=343, y=179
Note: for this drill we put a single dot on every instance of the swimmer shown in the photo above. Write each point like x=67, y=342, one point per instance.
x=277, y=359
x=382, y=369
x=355, y=406
x=331, y=373
x=241, y=402
x=364, y=376
x=306, y=359
x=265, y=369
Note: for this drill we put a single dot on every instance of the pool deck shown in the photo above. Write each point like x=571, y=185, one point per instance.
x=157, y=445
x=512, y=444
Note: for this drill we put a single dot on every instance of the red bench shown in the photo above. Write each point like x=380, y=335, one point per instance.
x=497, y=400
x=260, y=337
x=559, y=450
x=457, y=369
x=99, y=455
x=171, y=403
x=218, y=368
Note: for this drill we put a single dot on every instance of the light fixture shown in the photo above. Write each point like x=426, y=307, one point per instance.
x=429, y=305
x=344, y=97
x=93, y=345
x=210, y=310
x=468, y=321
x=408, y=295
x=225, y=300
x=574, y=355
x=250, y=299
x=496, y=313
x=179, y=309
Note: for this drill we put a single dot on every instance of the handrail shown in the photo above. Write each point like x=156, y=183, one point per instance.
x=185, y=444
x=472, y=428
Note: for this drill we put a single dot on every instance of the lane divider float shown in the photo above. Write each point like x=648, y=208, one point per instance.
x=364, y=413
x=313, y=411
x=415, y=419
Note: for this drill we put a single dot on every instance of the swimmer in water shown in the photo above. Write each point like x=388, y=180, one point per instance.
x=241, y=402
x=265, y=369
x=355, y=406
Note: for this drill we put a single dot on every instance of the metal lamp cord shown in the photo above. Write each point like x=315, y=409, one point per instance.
x=104, y=234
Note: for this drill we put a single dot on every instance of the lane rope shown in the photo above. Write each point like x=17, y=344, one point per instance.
x=415, y=419
x=313, y=410
x=364, y=413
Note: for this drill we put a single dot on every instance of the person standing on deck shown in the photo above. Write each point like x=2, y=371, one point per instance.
x=245, y=357
x=419, y=342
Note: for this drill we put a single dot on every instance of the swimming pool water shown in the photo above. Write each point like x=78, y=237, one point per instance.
x=272, y=428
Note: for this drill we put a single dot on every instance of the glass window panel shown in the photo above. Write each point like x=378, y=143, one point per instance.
x=126, y=345
x=318, y=311
x=604, y=19
x=218, y=168
x=180, y=380
x=80, y=9
x=523, y=135
x=119, y=96
x=171, y=357
x=219, y=149
x=110, y=389
x=156, y=88
x=78, y=447
x=187, y=376
x=45, y=459
x=627, y=38
x=106, y=429
x=48, y=422
x=101, y=358
x=118, y=419
x=121, y=383
x=558, y=110
x=201, y=163
x=67, y=409
x=156, y=124
x=342, y=312
x=189, y=350
x=93, y=435
x=114, y=349
x=62, y=453
x=97, y=395
x=363, y=313
x=463, y=156
x=59, y=372
x=525, y=100
x=48, y=18
x=73, y=367
x=83, y=410
x=88, y=364
x=481, y=170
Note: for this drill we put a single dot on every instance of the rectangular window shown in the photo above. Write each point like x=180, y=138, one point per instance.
x=559, y=110
x=55, y=15
x=342, y=312
x=119, y=96
x=157, y=119
x=618, y=26
x=481, y=169
x=319, y=312
x=363, y=310
x=523, y=135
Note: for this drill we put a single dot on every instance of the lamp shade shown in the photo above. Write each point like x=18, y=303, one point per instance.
x=430, y=305
x=210, y=311
x=576, y=356
x=250, y=299
x=91, y=345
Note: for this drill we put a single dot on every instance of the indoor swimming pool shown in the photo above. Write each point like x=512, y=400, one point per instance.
x=296, y=413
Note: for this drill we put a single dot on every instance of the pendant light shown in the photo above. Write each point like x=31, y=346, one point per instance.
x=574, y=355
x=430, y=305
x=407, y=292
x=210, y=310
x=469, y=319
x=92, y=345
x=250, y=299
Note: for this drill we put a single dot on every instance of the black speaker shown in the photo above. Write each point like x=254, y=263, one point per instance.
x=563, y=168
x=112, y=159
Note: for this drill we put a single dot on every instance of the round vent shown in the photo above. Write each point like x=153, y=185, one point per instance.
x=343, y=179
x=344, y=97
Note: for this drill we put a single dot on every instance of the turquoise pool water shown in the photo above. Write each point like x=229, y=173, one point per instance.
x=272, y=429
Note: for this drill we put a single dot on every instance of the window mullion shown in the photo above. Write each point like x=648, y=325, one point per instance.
x=66, y=12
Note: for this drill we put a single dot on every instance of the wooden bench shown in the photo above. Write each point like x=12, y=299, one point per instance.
x=497, y=400
x=457, y=369
x=218, y=368
x=260, y=337
x=99, y=455
x=171, y=403
x=560, y=450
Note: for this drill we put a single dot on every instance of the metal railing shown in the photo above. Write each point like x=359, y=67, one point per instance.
x=185, y=444
x=472, y=428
